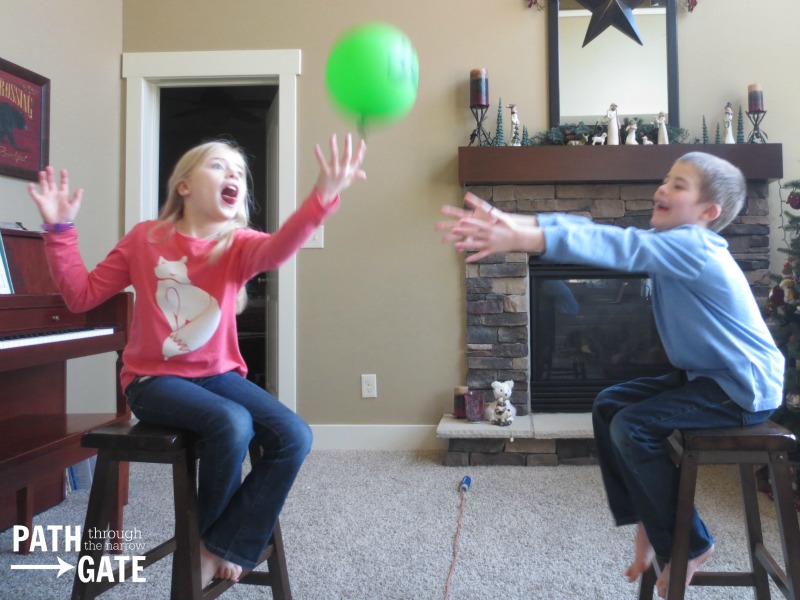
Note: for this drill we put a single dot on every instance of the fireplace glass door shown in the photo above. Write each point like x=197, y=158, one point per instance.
x=590, y=329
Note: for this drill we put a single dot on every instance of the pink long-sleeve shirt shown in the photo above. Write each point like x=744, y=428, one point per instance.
x=184, y=315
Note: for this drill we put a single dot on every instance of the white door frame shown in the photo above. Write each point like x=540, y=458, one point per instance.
x=145, y=73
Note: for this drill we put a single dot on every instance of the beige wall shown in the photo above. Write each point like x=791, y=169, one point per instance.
x=383, y=296
x=76, y=45
x=724, y=47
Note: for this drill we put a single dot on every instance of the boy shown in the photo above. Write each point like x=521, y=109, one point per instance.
x=728, y=373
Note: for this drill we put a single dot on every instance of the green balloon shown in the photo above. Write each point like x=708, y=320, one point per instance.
x=373, y=73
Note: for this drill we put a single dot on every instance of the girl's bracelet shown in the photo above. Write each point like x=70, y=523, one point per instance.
x=57, y=227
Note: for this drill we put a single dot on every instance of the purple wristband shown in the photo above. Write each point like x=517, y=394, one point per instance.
x=57, y=227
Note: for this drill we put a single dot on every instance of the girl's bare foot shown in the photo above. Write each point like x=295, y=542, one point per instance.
x=213, y=566
x=691, y=567
x=644, y=555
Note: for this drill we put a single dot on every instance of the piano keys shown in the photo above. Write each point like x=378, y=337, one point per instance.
x=51, y=337
x=38, y=439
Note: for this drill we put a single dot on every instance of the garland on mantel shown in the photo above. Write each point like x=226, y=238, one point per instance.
x=687, y=4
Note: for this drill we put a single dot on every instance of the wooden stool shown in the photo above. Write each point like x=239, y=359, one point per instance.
x=137, y=442
x=769, y=444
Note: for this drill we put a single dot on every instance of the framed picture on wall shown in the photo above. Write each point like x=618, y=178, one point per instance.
x=24, y=121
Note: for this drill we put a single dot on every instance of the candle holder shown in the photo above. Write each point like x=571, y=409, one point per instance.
x=757, y=135
x=479, y=133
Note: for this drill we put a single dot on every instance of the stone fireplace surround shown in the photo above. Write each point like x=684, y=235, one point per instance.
x=609, y=184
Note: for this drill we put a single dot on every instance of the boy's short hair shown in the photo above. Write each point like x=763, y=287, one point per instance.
x=720, y=182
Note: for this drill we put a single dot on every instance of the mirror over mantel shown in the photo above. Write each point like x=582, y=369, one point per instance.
x=633, y=65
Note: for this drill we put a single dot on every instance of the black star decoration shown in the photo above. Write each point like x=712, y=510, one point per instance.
x=606, y=13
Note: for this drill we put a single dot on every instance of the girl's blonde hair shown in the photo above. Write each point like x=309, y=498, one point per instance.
x=173, y=207
x=172, y=210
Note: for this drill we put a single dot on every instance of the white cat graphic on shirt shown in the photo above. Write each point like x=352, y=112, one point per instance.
x=193, y=314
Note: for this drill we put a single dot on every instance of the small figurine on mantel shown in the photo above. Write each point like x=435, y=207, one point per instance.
x=729, y=124
x=613, y=126
x=661, y=121
x=631, y=127
x=515, y=138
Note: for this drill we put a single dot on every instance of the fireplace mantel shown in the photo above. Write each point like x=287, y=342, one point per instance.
x=604, y=164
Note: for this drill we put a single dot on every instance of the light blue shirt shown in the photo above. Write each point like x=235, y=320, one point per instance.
x=705, y=312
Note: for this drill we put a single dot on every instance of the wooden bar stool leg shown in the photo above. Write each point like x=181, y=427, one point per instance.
x=780, y=473
x=120, y=499
x=98, y=517
x=755, y=536
x=676, y=586
x=276, y=564
x=647, y=582
x=186, y=581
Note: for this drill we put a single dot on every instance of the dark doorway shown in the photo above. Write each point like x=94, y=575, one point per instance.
x=193, y=115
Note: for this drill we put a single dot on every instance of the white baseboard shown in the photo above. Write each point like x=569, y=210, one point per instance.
x=376, y=437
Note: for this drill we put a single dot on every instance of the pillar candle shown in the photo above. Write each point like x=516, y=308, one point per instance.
x=478, y=89
x=459, y=401
x=755, y=98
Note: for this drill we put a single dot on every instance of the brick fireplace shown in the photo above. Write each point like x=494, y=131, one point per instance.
x=609, y=184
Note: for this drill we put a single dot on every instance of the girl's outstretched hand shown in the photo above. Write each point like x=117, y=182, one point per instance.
x=54, y=200
x=338, y=173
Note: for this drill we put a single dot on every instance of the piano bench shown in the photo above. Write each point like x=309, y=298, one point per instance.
x=133, y=441
x=748, y=447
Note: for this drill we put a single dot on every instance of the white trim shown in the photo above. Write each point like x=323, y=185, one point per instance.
x=145, y=74
x=376, y=437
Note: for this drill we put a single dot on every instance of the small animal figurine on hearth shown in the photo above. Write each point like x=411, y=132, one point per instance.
x=501, y=411
x=579, y=142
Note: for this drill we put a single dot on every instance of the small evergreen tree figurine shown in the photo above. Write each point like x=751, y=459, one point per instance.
x=500, y=137
x=717, y=138
x=705, y=130
x=740, y=127
x=526, y=138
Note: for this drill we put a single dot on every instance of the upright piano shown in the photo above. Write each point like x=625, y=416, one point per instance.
x=38, y=335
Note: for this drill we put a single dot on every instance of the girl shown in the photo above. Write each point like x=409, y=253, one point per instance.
x=182, y=365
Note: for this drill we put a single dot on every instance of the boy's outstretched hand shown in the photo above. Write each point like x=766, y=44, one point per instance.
x=53, y=200
x=488, y=230
x=338, y=173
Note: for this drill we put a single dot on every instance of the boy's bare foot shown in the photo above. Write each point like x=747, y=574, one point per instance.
x=691, y=567
x=644, y=555
x=213, y=566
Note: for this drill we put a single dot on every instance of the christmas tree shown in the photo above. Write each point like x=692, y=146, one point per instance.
x=526, y=138
x=717, y=138
x=705, y=130
x=783, y=319
x=740, y=127
x=782, y=314
x=500, y=137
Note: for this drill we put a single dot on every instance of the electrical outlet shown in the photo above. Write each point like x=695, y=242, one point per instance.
x=317, y=239
x=369, y=386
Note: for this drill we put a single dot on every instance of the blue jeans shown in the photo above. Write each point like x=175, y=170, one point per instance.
x=227, y=411
x=631, y=421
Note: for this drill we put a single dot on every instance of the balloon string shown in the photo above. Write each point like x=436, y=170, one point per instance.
x=362, y=127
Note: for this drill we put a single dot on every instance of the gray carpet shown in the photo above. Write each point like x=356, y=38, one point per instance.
x=364, y=525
